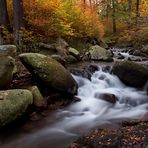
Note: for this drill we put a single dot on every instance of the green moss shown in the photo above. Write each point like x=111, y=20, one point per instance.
x=13, y=103
x=7, y=65
x=99, y=53
x=49, y=71
x=38, y=99
x=73, y=51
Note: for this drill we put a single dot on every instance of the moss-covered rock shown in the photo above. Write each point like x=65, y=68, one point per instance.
x=49, y=72
x=145, y=49
x=74, y=52
x=100, y=54
x=8, y=50
x=70, y=59
x=7, y=65
x=38, y=99
x=13, y=103
x=131, y=73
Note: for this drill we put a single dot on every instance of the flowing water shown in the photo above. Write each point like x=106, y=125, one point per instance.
x=90, y=112
x=125, y=54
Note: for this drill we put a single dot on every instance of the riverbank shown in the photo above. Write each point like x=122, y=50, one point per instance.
x=72, y=118
x=36, y=129
x=132, y=134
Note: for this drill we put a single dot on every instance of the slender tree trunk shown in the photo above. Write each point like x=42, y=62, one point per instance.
x=84, y=2
x=137, y=10
x=107, y=9
x=114, y=17
x=1, y=36
x=130, y=7
x=4, y=19
x=18, y=20
x=90, y=3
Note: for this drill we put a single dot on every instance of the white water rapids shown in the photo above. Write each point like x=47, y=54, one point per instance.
x=90, y=112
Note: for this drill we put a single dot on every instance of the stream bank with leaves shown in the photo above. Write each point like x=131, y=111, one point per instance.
x=50, y=108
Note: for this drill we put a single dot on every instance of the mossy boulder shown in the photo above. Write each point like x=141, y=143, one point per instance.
x=7, y=65
x=8, y=50
x=145, y=49
x=38, y=99
x=13, y=103
x=74, y=52
x=49, y=72
x=70, y=59
x=131, y=73
x=98, y=53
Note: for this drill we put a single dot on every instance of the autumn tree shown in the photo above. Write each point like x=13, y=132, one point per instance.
x=66, y=18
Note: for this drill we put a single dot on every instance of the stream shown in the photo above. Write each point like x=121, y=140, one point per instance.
x=88, y=113
x=63, y=126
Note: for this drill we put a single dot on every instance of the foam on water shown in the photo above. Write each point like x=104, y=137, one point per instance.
x=92, y=111
x=125, y=54
x=122, y=52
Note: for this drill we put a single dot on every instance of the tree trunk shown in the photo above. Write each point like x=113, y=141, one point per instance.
x=137, y=10
x=1, y=36
x=114, y=17
x=84, y=2
x=18, y=20
x=107, y=9
x=4, y=19
x=90, y=3
x=130, y=7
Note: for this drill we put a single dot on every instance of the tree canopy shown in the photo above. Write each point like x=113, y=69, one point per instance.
x=70, y=18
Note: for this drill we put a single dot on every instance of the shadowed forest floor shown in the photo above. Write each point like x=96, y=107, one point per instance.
x=133, y=134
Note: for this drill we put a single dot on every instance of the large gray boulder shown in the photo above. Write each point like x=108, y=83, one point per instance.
x=7, y=65
x=49, y=72
x=8, y=50
x=13, y=103
x=131, y=73
x=100, y=54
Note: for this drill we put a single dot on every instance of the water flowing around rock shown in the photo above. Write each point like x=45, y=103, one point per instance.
x=92, y=111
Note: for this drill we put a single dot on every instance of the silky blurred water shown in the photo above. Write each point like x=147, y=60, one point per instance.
x=90, y=112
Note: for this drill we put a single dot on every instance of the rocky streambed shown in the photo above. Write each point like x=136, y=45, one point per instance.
x=108, y=93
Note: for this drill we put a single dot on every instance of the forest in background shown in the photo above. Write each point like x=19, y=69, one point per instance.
x=31, y=21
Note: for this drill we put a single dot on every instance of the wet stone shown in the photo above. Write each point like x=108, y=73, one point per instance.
x=111, y=98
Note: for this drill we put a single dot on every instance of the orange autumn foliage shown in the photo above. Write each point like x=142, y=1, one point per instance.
x=52, y=18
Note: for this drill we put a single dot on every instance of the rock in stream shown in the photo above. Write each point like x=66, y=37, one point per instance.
x=49, y=72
